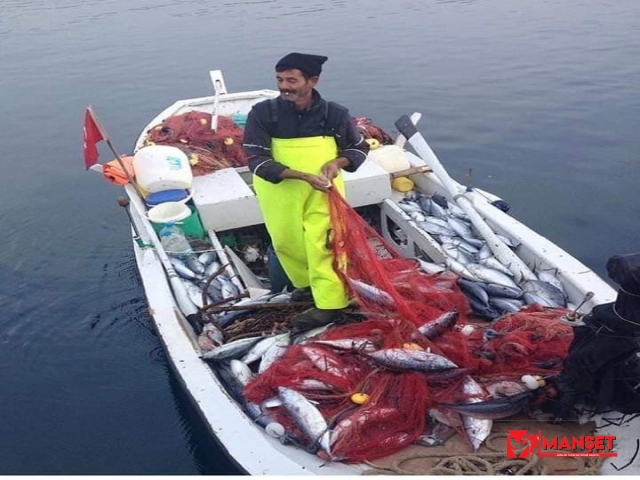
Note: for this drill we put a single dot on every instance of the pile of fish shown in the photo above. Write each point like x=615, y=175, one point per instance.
x=196, y=270
x=241, y=361
x=487, y=283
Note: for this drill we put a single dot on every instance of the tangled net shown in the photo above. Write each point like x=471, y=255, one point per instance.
x=208, y=150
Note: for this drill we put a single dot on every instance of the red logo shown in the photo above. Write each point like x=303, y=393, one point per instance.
x=522, y=444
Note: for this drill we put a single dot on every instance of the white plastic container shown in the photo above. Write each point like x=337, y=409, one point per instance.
x=390, y=157
x=168, y=212
x=159, y=167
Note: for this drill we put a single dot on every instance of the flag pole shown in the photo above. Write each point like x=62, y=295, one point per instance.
x=108, y=140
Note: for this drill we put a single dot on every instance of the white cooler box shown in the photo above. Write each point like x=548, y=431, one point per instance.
x=225, y=200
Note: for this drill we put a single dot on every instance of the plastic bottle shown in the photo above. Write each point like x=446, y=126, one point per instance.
x=173, y=240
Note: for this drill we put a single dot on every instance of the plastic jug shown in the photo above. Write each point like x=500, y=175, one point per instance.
x=159, y=167
x=173, y=240
x=390, y=157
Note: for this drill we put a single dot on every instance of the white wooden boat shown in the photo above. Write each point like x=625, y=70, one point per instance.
x=226, y=201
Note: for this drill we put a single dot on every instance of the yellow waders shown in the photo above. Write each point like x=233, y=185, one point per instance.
x=297, y=218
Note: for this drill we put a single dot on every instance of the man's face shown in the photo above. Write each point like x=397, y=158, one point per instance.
x=294, y=86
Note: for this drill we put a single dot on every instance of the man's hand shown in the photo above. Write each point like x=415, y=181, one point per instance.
x=332, y=168
x=319, y=182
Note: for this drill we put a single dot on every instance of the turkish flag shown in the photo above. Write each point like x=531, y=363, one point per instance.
x=92, y=135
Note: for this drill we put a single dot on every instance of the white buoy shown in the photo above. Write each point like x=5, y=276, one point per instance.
x=530, y=381
x=467, y=330
x=274, y=429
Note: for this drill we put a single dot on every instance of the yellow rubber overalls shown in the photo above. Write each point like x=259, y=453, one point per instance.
x=297, y=218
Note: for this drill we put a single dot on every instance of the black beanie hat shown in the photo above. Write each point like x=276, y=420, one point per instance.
x=309, y=64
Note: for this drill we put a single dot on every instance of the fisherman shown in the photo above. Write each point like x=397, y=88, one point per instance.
x=297, y=145
x=602, y=369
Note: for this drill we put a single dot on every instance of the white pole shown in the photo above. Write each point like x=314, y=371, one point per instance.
x=503, y=253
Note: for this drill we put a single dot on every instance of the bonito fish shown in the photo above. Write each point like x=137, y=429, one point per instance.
x=402, y=359
x=306, y=416
x=437, y=327
x=476, y=429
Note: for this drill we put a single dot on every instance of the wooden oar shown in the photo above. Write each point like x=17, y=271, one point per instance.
x=503, y=253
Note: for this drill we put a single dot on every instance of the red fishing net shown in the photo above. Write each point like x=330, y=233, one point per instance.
x=403, y=307
x=208, y=150
x=399, y=301
x=369, y=130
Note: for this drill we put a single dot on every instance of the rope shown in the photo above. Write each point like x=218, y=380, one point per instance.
x=485, y=463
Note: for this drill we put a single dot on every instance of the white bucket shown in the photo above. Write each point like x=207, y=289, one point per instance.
x=168, y=212
x=159, y=167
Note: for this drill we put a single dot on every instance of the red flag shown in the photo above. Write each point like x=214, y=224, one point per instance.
x=92, y=135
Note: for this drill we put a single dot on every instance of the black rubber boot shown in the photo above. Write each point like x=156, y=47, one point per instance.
x=301, y=295
x=316, y=317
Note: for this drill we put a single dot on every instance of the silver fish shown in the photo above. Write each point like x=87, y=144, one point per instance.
x=324, y=360
x=508, y=241
x=425, y=204
x=194, y=264
x=195, y=293
x=260, y=348
x=436, y=229
x=450, y=250
x=460, y=269
x=506, y=305
x=530, y=299
x=464, y=245
x=357, y=344
x=212, y=268
x=490, y=275
x=484, y=252
x=476, y=242
x=214, y=333
x=274, y=352
x=464, y=257
x=460, y=227
x=437, y=209
x=437, y=221
x=207, y=257
x=417, y=216
x=438, y=326
x=501, y=290
x=551, y=294
x=409, y=207
x=547, y=276
x=309, y=334
x=312, y=384
x=241, y=371
x=228, y=290
x=456, y=211
x=431, y=268
x=476, y=429
x=233, y=349
x=182, y=269
x=493, y=408
x=474, y=289
x=214, y=289
x=307, y=417
x=493, y=262
x=402, y=359
x=372, y=293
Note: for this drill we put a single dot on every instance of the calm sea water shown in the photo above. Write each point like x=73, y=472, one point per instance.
x=540, y=98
